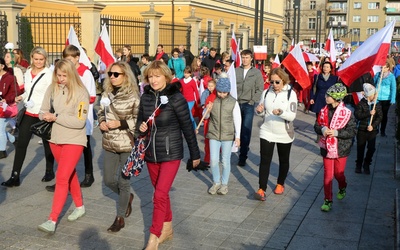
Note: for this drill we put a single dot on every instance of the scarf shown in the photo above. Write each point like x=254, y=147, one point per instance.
x=339, y=119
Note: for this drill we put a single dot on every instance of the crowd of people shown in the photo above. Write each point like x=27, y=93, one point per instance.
x=163, y=97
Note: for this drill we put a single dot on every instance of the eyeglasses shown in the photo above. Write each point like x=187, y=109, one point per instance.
x=275, y=82
x=116, y=74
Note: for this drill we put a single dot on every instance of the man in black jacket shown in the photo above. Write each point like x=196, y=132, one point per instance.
x=210, y=60
x=186, y=54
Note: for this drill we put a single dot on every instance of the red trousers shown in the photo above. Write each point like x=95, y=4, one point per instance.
x=162, y=176
x=334, y=168
x=206, y=141
x=67, y=157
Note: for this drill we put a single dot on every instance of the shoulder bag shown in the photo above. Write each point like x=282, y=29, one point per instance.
x=22, y=111
x=43, y=128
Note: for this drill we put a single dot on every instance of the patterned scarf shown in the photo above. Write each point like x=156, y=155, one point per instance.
x=339, y=119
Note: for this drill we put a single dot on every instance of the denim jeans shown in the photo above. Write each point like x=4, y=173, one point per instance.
x=247, y=112
x=225, y=148
x=4, y=135
x=190, y=105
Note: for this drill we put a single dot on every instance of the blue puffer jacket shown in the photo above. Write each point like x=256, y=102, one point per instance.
x=387, y=90
x=166, y=141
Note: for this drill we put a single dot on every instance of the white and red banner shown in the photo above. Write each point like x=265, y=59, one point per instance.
x=235, y=52
x=232, y=78
x=372, y=52
x=260, y=52
x=276, y=62
x=295, y=64
x=103, y=47
x=73, y=40
x=330, y=47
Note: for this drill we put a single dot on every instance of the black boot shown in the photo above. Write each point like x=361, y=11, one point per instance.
x=48, y=176
x=51, y=188
x=358, y=169
x=366, y=169
x=13, y=181
x=3, y=154
x=88, y=181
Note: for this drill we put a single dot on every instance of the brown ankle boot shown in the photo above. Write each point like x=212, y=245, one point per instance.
x=167, y=233
x=118, y=224
x=153, y=242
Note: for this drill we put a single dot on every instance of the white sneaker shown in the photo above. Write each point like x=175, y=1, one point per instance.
x=223, y=190
x=40, y=142
x=76, y=214
x=215, y=187
x=48, y=227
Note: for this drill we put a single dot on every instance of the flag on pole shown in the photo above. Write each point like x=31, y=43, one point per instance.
x=330, y=46
x=232, y=78
x=235, y=50
x=395, y=46
x=276, y=62
x=372, y=52
x=295, y=64
x=72, y=39
x=103, y=47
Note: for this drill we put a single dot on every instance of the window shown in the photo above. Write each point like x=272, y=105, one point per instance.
x=357, y=5
x=356, y=19
x=311, y=23
x=312, y=5
x=371, y=31
x=373, y=19
x=373, y=5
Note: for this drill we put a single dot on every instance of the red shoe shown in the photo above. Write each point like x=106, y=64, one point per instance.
x=279, y=189
x=260, y=195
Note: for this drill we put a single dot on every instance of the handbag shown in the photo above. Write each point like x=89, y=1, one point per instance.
x=21, y=112
x=135, y=162
x=43, y=128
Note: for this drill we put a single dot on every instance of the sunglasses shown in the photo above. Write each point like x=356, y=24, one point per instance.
x=116, y=74
x=275, y=82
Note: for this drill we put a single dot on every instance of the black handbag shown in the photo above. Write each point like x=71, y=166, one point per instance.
x=43, y=128
x=21, y=112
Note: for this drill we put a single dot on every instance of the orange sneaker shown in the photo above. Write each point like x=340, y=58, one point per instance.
x=279, y=189
x=260, y=195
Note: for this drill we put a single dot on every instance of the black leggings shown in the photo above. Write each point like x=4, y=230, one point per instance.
x=266, y=153
x=385, y=110
x=88, y=157
x=24, y=137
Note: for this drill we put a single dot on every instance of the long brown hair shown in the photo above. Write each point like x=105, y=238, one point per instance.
x=129, y=84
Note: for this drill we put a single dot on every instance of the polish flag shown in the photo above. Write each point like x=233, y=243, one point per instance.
x=72, y=39
x=103, y=47
x=232, y=78
x=276, y=62
x=357, y=96
x=330, y=47
x=292, y=46
x=295, y=64
x=372, y=52
x=395, y=46
x=235, y=51
x=349, y=51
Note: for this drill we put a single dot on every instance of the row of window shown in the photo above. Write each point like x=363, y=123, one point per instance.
x=356, y=5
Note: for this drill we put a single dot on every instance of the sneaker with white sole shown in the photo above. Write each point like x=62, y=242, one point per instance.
x=223, y=190
x=76, y=214
x=48, y=227
x=214, y=188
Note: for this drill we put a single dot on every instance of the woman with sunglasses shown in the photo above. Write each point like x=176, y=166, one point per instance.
x=117, y=121
x=278, y=106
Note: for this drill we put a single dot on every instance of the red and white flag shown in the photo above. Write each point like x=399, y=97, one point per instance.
x=292, y=45
x=295, y=64
x=232, y=78
x=372, y=52
x=235, y=51
x=73, y=40
x=357, y=96
x=395, y=46
x=349, y=51
x=330, y=47
x=276, y=62
x=103, y=47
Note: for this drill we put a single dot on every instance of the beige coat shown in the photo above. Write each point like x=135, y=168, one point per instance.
x=125, y=107
x=69, y=128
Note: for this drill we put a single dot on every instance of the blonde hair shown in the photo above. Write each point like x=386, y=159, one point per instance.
x=74, y=85
x=159, y=67
x=39, y=50
x=282, y=74
x=129, y=83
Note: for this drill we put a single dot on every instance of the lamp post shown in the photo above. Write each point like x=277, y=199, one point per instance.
x=338, y=30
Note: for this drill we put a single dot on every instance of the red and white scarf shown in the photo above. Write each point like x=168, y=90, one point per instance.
x=339, y=119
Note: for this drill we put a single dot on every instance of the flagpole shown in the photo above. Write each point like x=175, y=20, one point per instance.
x=376, y=96
x=201, y=121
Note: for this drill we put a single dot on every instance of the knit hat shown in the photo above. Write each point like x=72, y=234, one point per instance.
x=223, y=83
x=337, y=91
x=369, y=89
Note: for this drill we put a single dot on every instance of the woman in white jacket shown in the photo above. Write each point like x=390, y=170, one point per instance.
x=37, y=80
x=278, y=106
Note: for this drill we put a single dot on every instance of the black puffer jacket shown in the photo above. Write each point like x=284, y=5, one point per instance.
x=166, y=141
x=362, y=114
x=345, y=135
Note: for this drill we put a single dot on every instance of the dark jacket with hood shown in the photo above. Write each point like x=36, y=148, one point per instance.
x=164, y=140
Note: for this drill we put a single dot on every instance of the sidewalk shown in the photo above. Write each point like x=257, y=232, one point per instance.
x=365, y=219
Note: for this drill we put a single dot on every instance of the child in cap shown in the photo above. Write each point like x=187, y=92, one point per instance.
x=336, y=125
x=224, y=129
x=367, y=131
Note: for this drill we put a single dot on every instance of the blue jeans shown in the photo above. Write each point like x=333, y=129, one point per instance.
x=247, y=112
x=190, y=105
x=4, y=135
x=225, y=147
